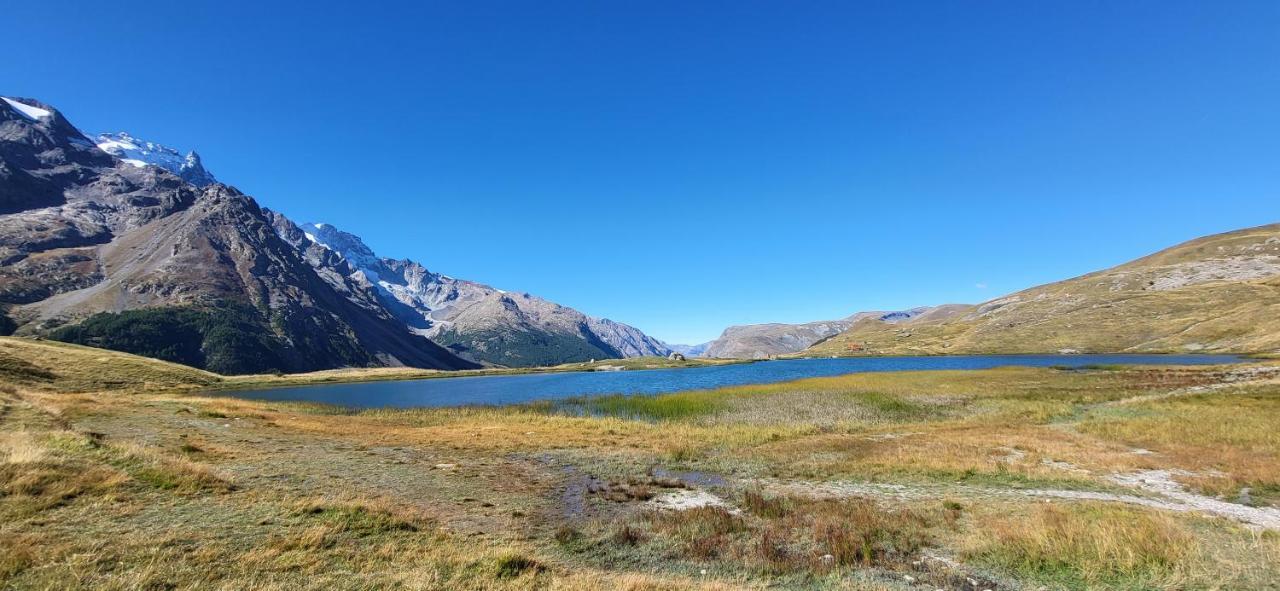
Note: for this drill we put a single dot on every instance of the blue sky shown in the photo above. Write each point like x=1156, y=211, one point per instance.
x=684, y=166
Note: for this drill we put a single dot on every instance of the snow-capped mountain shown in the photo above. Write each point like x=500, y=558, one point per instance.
x=100, y=251
x=141, y=153
x=30, y=112
x=475, y=321
x=118, y=224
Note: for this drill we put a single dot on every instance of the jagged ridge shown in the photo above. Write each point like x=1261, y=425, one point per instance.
x=474, y=320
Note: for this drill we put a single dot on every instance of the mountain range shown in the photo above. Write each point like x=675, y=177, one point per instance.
x=761, y=341
x=126, y=244
x=474, y=321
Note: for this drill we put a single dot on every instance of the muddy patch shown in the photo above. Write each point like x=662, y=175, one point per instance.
x=689, y=477
x=685, y=499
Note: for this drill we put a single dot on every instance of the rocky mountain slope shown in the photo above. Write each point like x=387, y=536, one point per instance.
x=473, y=320
x=1219, y=293
x=130, y=227
x=761, y=341
x=100, y=250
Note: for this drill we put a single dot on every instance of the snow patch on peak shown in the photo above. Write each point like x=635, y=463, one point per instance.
x=134, y=151
x=29, y=111
x=350, y=246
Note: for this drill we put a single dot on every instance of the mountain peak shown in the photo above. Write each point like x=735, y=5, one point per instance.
x=141, y=153
x=29, y=108
x=350, y=246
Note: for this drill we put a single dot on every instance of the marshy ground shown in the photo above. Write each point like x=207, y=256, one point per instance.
x=117, y=473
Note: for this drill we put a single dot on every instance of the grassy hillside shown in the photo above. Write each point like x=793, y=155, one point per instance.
x=58, y=366
x=1216, y=294
x=74, y=368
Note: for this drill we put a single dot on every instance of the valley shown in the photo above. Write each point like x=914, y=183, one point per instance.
x=917, y=449
x=661, y=296
x=129, y=245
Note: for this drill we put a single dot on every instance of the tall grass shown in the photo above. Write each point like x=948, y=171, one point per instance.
x=1088, y=546
x=21, y=447
x=787, y=535
x=662, y=407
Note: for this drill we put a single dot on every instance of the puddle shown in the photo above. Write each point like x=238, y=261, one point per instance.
x=690, y=478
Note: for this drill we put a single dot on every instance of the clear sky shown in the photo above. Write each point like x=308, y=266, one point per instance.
x=683, y=166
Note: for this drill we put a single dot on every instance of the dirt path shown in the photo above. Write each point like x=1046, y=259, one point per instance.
x=1162, y=492
x=1161, y=483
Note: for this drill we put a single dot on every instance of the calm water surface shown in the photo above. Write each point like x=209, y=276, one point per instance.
x=499, y=390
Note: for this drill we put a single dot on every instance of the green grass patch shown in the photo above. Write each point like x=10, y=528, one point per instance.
x=662, y=407
x=893, y=407
x=512, y=565
x=361, y=516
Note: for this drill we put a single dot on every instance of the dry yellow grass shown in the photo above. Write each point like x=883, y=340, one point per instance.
x=1228, y=437
x=20, y=447
x=1089, y=546
x=75, y=368
x=1103, y=546
x=133, y=488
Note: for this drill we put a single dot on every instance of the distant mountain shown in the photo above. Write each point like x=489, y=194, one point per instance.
x=101, y=250
x=473, y=320
x=689, y=350
x=1219, y=293
x=760, y=341
x=141, y=153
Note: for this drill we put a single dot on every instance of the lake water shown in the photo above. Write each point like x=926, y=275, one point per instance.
x=513, y=389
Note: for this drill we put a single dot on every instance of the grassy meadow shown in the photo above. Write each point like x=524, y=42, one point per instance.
x=118, y=472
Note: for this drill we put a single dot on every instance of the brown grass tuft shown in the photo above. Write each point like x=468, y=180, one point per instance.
x=21, y=447
x=762, y=505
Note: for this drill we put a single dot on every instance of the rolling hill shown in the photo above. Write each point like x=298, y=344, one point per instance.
x=1218, y=294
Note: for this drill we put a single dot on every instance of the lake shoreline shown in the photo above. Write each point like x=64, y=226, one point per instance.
x=408, y=374
x=523, y=387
